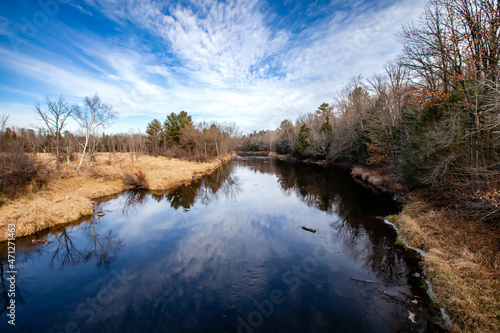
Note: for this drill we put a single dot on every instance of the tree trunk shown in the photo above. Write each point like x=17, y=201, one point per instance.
x=83, y=155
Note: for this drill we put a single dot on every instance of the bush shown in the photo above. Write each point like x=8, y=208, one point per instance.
x=136, y=179
x=187, y=154
x=17, y=170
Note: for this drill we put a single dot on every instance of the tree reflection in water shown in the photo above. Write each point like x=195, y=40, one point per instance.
x=102, y=248
x=5, y=284
x=135, y=198
x=354, y=209
x=220, y=184
x=198, y=257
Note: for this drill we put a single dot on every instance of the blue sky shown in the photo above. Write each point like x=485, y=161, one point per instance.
x=253, y=62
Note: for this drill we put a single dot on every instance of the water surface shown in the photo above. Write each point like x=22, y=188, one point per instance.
x=226, y=254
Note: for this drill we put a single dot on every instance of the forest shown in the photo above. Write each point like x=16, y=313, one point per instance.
x=432, y=117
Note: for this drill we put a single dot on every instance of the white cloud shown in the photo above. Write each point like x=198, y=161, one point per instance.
x=231, y=64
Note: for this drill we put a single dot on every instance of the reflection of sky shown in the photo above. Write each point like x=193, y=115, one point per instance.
x=202, y=268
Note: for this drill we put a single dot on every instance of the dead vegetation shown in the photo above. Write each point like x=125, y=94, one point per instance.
x=463, y=250
x=17, y=170
x=135, y=179
x=379, y=176
x=67, y=197
x=462, y=263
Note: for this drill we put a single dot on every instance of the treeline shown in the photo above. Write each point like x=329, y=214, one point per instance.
x=176, y=137
x=432, y=116
x=39, y=141
x=179, y=137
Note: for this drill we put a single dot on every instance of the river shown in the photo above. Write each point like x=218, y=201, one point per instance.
x=226, y=253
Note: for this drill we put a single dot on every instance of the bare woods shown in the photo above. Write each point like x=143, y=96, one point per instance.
x=432, y=116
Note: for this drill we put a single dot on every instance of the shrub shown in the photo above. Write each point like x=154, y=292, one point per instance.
x=135, y=179
x=17, y=170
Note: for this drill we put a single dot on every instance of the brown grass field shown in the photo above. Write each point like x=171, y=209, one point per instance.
x=463, y=256
x=66, y=197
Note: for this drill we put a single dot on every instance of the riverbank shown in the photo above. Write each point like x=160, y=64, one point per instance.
x=462, y=260
x=66, y=197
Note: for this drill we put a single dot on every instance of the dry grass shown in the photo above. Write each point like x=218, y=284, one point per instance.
x=67, y=197
x=380, y=177
x=463, y=254
x=463, y=263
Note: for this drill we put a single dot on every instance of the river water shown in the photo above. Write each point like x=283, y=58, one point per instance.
x=226, y=253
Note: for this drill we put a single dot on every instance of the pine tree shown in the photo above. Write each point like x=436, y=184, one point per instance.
x=155, y=133
x=174, y=123
x=302, y=144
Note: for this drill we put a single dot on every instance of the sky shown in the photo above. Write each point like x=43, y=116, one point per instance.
x=254, y=62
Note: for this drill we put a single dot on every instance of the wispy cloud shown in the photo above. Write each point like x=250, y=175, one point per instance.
x=232, y=60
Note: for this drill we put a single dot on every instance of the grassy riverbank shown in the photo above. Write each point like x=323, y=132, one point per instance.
x=66, y=197
x=463, y=256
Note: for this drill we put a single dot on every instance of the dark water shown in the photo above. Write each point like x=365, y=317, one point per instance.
x=226, y=254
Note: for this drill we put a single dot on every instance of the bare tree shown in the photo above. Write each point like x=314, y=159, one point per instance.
x=93, y=115
x=54, y=119
x=3, y=122
x=222, y=135
x=454, y=47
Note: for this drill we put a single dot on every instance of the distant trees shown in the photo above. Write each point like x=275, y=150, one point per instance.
x=286, y=137
x=222, y=135
x=17, y=168
x=179, y=137
x=258, y=141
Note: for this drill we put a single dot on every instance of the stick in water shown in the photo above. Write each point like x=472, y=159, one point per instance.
x=366, y=281
x=309, y=229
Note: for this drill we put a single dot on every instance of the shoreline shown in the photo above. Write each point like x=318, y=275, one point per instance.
x=67, y=198
x=460, y=262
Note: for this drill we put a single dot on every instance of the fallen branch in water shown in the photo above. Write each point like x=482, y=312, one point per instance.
x=309, y=229
x=357, y=280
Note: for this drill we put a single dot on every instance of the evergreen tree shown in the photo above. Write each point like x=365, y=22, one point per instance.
x=155, y=133
x=174, y=123
x=302, y=144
